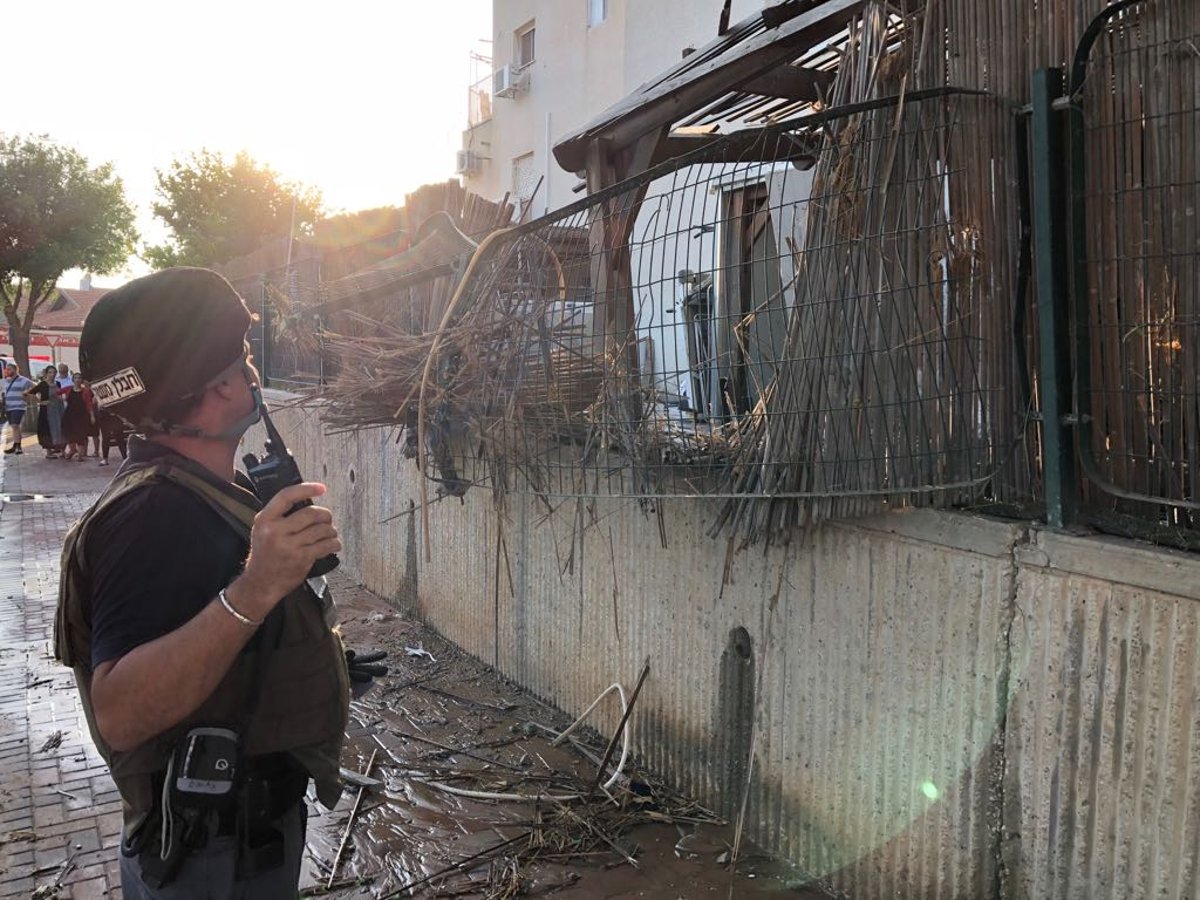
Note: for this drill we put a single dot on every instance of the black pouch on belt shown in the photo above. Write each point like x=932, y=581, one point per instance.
x=270, y=792
x=259, y=831
x=158, y=870
x=201, y=777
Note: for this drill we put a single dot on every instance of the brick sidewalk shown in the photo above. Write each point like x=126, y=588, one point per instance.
x=60, y=815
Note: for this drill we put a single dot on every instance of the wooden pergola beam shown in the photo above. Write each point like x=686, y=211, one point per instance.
x=440, y=251
x=738, y=147
x=791, y=83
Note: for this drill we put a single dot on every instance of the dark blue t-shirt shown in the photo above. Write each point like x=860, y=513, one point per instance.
x=156, y=558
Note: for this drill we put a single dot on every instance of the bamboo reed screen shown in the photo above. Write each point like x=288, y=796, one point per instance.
x=1141, y=107
x=810, y=336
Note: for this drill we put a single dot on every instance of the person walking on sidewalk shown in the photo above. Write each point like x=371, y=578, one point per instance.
x=49, y=425
x=213, y=682
x=14, y=386
x=79, y=417
x=94, y=429
x=63, y=379
x=113, y=433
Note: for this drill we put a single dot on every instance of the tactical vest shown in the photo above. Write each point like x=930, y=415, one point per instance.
x=303, y=699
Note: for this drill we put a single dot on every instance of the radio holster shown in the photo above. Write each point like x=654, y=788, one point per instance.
x=259, y=835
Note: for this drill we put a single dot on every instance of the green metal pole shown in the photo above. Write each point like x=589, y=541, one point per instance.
x=1076, y=133
x=1053, y=256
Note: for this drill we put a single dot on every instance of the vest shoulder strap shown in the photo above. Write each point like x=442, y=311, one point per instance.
x=238, y=512
x=72, y=630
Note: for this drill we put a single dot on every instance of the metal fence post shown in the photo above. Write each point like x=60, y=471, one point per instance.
x=1077, y=247
x=266, y=333
x=1052, y=253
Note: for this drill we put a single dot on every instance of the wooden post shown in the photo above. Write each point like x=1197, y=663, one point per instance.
x=612, y=276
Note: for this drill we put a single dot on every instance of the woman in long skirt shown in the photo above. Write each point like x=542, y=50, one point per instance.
x=78, y=418
x=50, y=413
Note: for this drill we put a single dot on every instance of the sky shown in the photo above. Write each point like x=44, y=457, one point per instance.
x=362, y=100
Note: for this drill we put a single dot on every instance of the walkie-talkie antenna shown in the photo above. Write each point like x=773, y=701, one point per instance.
x=272, y=432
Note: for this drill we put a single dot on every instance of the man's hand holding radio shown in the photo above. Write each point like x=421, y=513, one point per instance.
x=284, y=544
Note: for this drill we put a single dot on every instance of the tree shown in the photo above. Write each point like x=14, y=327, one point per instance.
x=56, y=213
x=219, y=210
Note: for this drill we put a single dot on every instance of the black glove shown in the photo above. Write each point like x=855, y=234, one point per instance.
x=363, y=667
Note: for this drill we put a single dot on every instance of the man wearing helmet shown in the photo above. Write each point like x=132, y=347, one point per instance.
x=213, y=683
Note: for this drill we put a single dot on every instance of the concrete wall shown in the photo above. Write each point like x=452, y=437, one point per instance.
x=1103, y=749
x=936, y=705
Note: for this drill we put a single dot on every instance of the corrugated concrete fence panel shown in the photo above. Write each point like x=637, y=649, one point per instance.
x=1103, y=781
x=897, y=635
x=876, y=671
x=872, y=722
x=384, y=529
x=375, y=494
x=391, y=498
x=371, y=493
x=862, y=668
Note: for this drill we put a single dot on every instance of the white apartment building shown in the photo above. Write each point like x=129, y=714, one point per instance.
x=556, y=64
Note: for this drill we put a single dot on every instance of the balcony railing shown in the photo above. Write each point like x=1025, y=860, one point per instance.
x=479, y=102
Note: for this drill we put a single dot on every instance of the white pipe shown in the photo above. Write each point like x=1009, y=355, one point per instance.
x=531, y=798
x=549, y=161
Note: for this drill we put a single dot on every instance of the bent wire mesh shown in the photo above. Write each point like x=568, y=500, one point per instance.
x=812, y=321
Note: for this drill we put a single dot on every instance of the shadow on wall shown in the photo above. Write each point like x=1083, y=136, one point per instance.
x=735, y=720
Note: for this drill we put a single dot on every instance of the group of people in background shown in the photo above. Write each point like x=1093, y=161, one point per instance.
x=68, y=417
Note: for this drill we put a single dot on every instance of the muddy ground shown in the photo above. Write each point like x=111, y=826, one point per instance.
x=439, y=720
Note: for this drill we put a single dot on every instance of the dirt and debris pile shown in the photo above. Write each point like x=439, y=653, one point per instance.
x=468, y=791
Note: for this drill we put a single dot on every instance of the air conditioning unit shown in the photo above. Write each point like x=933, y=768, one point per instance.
x=509, y=82
x=467, y=162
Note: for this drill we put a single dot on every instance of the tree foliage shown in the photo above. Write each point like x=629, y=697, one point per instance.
x=56, y=213
x=219, y=210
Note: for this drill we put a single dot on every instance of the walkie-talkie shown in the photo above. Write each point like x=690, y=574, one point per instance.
x=275, y=470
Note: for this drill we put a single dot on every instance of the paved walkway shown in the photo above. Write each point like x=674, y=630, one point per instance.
x=60, y=815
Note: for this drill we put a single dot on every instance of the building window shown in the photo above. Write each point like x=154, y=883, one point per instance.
x=525, y=182
x=524, y=177
x=747, y=340
x=524, y=49
x=597, y=12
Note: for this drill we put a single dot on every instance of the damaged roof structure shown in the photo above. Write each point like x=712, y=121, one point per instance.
x=768, y=68
x=561, y=366
x=798, y=284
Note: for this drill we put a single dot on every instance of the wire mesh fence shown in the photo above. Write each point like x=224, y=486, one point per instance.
x=291, y=352
x=359, y=273
x=1140, y=374
x=816, y=320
